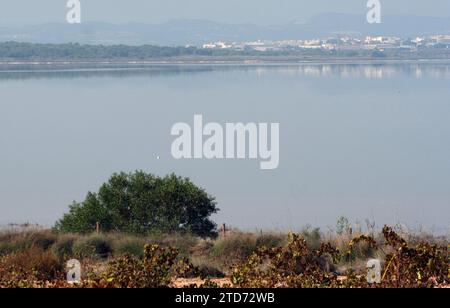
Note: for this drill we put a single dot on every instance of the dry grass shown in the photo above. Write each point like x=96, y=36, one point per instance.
x=41, y=253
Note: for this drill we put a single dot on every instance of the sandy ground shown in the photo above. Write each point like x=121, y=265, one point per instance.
x=222, y=282
x=184, y=282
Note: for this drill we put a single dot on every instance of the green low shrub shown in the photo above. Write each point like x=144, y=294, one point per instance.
x=129, y=246
x=93, y=246
x=237, y=246
x=16, y=241
x=63, y=248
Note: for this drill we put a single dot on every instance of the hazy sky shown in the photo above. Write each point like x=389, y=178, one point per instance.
x=25, y=12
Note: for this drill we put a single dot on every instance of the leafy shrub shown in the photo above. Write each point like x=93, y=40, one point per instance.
x=6, y=248
x=15, y=241
x=29, y=267
x=296, y=265
x=43, y=239
x=63, y=248
x=141, y=203
x=152, y=271
x=236, y=247
x=425, y=265
x=129, y=246
x=94, y=246
x=292, y=266
x=361, y=247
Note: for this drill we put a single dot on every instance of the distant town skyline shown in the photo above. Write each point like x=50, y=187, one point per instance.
x=342, y=43
x=264, y=12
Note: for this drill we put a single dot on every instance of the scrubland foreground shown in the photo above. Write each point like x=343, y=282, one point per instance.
x=308, y=259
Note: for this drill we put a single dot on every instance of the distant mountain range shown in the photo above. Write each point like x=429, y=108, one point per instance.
x=197, y=32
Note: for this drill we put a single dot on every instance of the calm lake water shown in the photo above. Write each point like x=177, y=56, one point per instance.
x=362, y=141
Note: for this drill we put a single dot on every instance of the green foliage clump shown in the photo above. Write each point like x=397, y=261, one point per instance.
x=236, y=247
x=292, y=266
x=129, y=246
x=141, y=203
x=11, y=242
x=94, y=247
x=152, y=271
x=63, y=248
x=425, y=265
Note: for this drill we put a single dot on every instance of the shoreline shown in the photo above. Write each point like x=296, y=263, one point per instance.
x=214, y=61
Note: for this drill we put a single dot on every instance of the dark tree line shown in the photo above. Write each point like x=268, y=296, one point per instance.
x=15, y=50
x=74, y=51
x=30, y=51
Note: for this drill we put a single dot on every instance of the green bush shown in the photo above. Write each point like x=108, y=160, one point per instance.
x=141, y=203
x=236, y=247
x=129, y=246
x=63, y=248
x=6, y=248
x=15, y=241
x=94, y=247
x=154, y=270
x=43, y=239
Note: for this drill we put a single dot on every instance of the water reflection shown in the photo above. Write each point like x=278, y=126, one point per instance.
x=366, y=71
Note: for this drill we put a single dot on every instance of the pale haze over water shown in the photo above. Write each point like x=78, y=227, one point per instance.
x=363, y=141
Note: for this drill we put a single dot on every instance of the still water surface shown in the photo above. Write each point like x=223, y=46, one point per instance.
x=363, y=141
